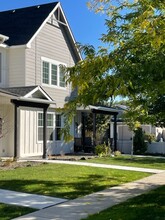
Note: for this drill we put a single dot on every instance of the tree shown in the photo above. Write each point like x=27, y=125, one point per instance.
x=132, y=65
x=140, y=145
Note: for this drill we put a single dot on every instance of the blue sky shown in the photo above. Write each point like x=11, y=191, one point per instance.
x=86, y=26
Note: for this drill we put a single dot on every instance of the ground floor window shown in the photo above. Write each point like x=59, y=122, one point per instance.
x=54, y=122
x=58, y=127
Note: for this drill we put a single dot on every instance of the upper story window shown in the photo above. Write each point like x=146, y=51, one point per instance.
x=53, y=73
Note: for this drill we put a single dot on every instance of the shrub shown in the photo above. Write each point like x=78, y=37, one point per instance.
x=140, y=145
x=102, y=150
x=149, y=137
x=117, y=153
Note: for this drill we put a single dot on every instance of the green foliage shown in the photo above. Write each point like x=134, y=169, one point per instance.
x=149, y=137
x=139, y=143
x=132, y=64
x=117, y=153
x=102, y=150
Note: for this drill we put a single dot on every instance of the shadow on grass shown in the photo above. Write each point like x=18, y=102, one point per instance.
x=8, y=212
x=60, y=189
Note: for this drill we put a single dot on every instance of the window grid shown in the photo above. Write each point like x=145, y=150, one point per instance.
x=53, y=74
x=58, y=127
x=45, y=76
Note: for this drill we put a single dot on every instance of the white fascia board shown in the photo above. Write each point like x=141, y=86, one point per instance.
x=70, y=31
x=38, y=88
x=3, y=45
x=36, y=100
x=107, y=109
x=46, y=20
x=19, y=46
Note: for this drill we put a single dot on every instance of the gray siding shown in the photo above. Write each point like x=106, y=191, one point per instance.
x=51, y=43
x=16, y=62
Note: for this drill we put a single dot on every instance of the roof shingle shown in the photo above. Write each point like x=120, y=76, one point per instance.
x=21, y=24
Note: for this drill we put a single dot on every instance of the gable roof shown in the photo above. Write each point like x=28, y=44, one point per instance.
x=28, y=92
x=21, y=24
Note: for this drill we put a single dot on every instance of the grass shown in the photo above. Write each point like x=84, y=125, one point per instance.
x=144, y=207
x=145, y=162
x=8, y=212
x=64, y=181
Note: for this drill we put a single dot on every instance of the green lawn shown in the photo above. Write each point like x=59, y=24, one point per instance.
x=8, y=212
x=145, y=162
x=149, y=206
x=64, y=181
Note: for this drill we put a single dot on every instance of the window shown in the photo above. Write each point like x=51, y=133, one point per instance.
x=62, y=76
x=53, y=73
x=45, y=73
x=40, y=126
x=58, y=127
x=50, y=126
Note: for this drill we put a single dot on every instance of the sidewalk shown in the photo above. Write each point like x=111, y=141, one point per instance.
x=147, y=170
x=28, y=200
x=81, y=207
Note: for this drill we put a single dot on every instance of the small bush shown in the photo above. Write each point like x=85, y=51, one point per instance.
x=149, y=137
x=117, y=153
x=102, y=150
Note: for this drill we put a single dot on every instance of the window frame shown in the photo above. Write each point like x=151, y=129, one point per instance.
x=50, y=75
x=58, y=127
x=53, y=126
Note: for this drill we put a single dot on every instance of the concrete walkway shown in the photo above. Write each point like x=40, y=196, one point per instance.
x=81, y=207
x=28, y=200
x=147, y=170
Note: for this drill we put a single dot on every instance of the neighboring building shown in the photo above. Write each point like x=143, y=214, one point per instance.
x=35, y=42
x=124, y=134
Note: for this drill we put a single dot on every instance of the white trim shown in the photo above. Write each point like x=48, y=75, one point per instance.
x=54, y=126
x=70, y=31
x=42, y=25
x=38, y=89
x=58, y=6
x=36, y=100
x=52, y=62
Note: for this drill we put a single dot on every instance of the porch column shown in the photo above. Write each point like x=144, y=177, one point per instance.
x=15, y=131
x=44, y=131
x=94, y=129
x=115, y=132
x=83, y=129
